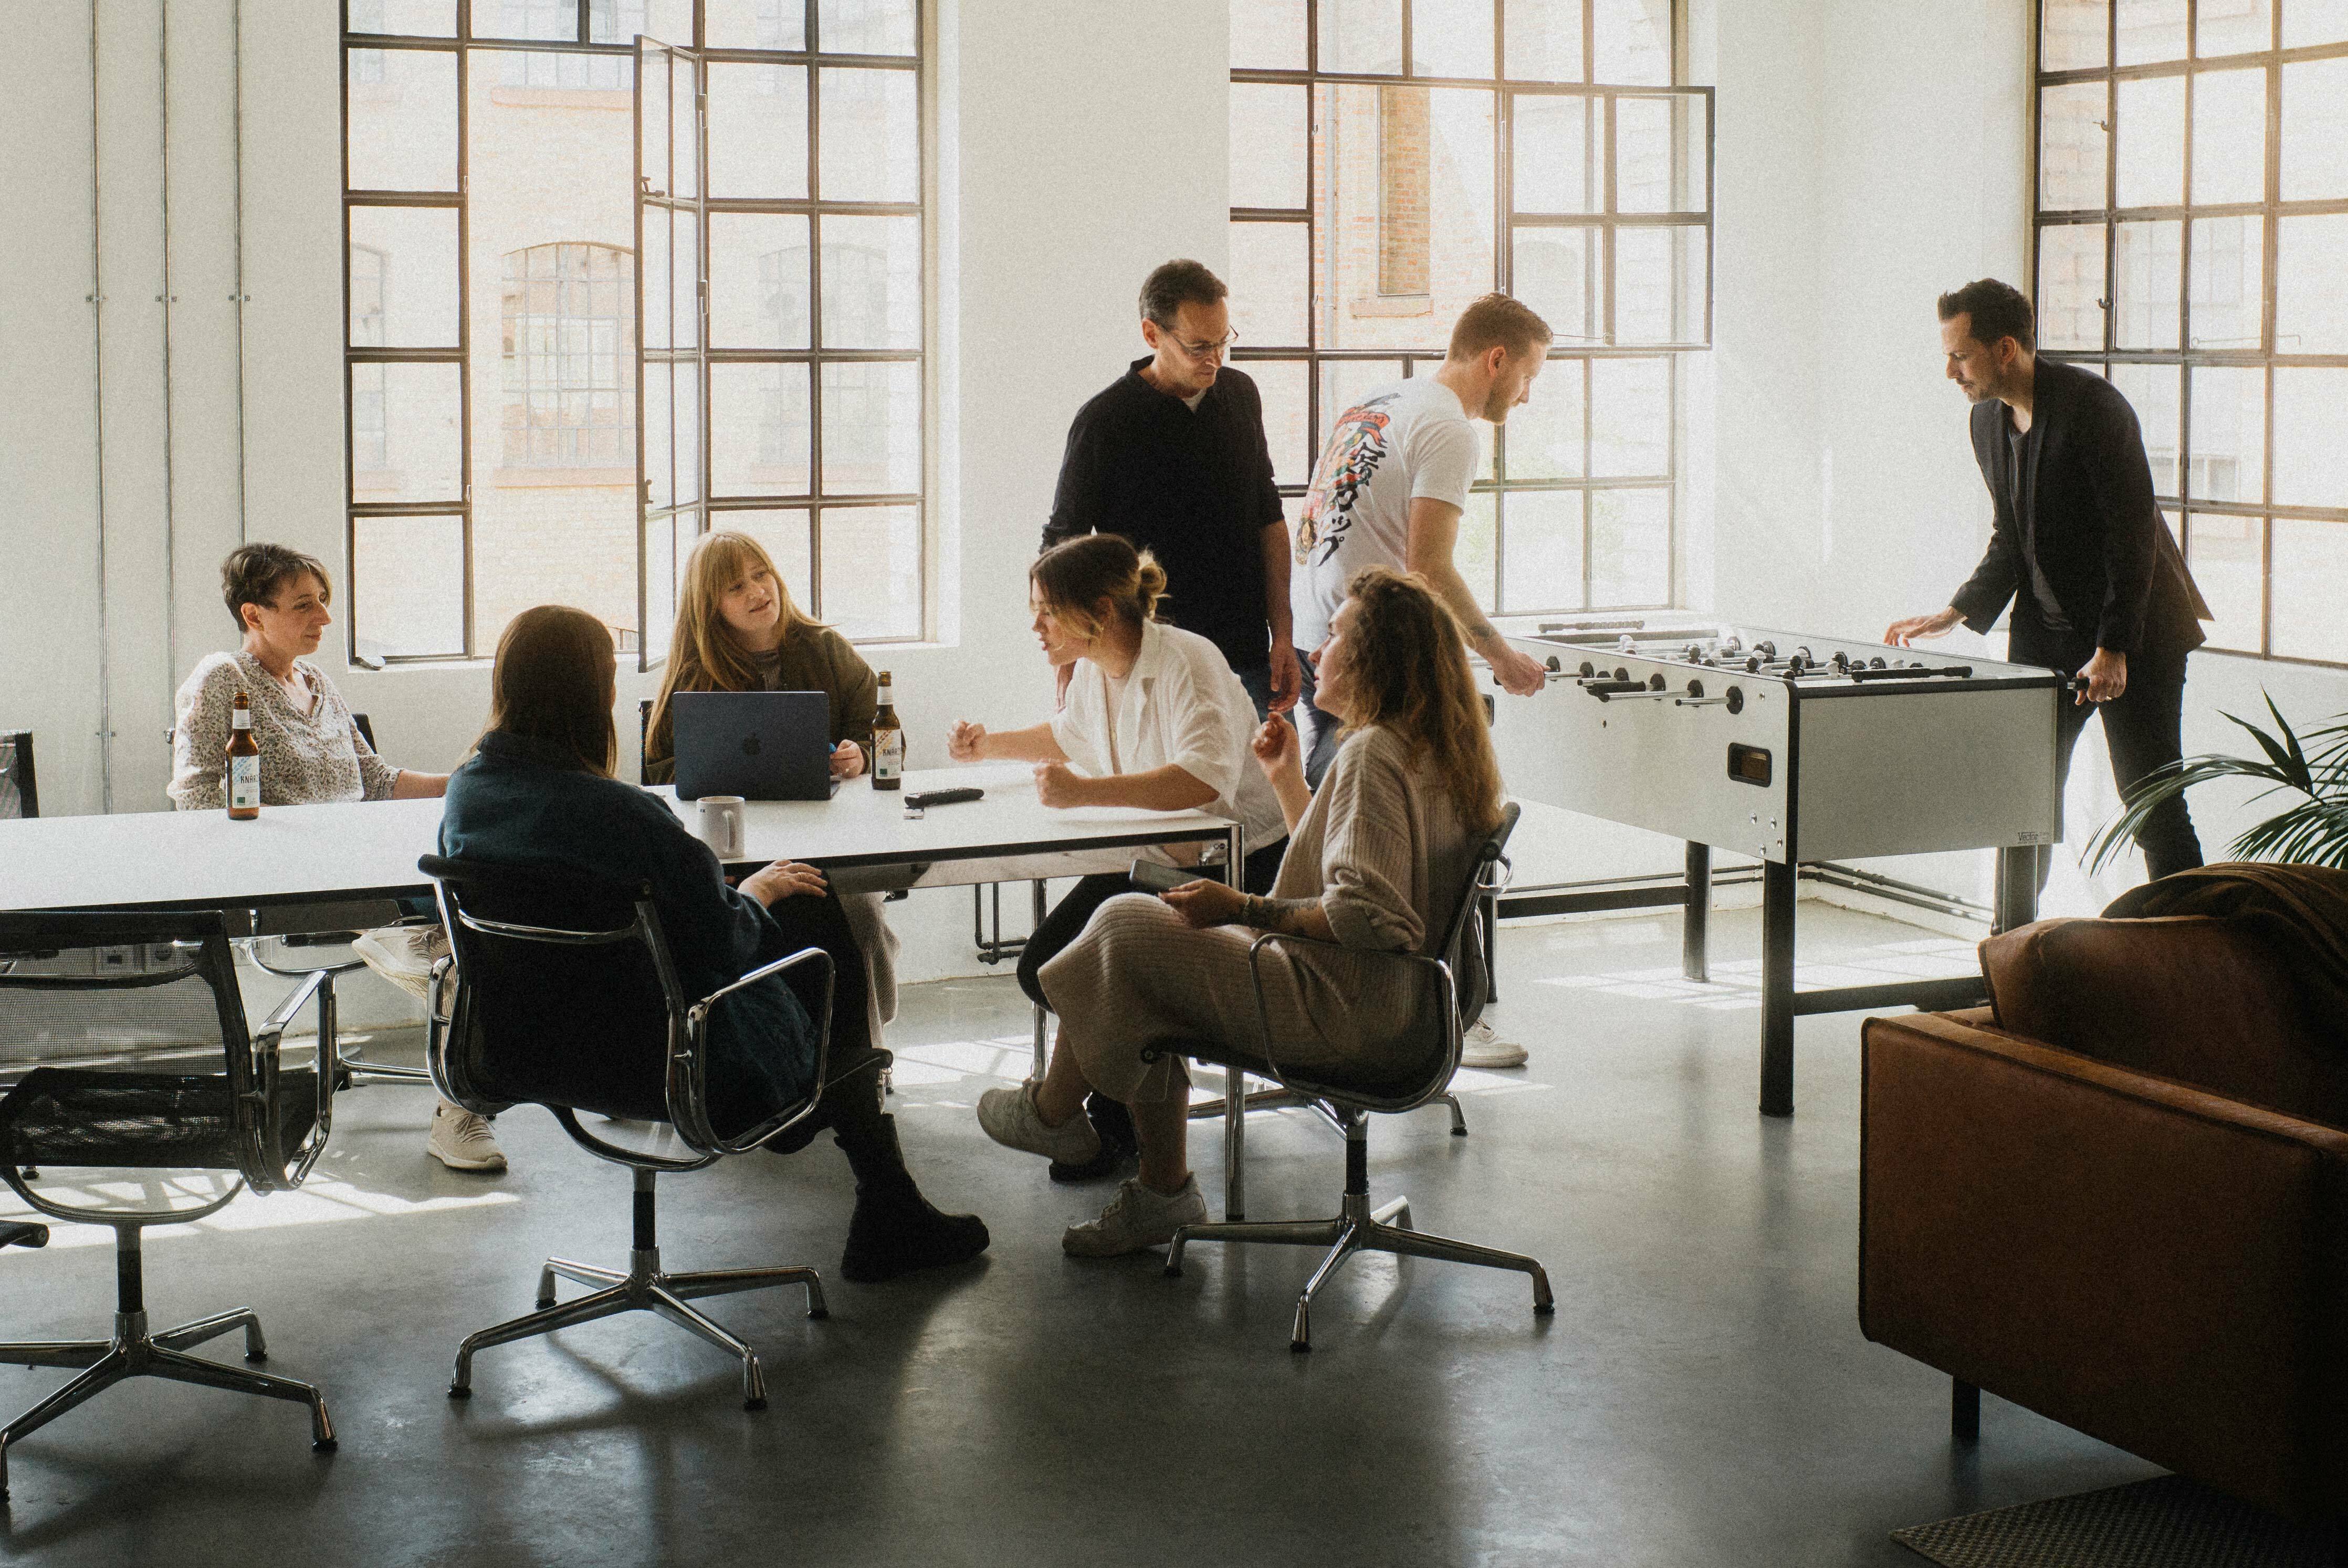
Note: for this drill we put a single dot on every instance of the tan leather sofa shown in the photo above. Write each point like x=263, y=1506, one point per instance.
x=2119, y=1197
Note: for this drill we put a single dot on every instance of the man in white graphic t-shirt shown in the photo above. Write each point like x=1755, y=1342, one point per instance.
x=1389, y=490
x=1391, y=485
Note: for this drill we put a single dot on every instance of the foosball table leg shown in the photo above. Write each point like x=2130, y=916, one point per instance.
x=2017, y=886
x=1778, y=883
x=1696, y=930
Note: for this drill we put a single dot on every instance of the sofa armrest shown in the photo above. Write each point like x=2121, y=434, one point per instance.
x=2153, y=1265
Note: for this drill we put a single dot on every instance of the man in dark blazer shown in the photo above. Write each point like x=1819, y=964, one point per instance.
x=2096, y=582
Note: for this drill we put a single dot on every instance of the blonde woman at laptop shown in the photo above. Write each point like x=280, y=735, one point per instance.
x=739, y=630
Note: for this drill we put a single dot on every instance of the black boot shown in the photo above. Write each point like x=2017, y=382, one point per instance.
x=1120, y=1144
x=895, y=1229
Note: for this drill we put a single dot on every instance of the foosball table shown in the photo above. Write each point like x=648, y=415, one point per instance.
x=1796, y=750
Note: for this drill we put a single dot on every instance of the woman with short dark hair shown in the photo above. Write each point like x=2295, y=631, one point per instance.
x=539, y=792
x=312, y=754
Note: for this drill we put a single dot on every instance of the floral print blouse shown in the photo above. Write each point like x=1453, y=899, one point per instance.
x=307, y=759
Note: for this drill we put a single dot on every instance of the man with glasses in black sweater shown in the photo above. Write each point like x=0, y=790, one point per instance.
x=1172, y=455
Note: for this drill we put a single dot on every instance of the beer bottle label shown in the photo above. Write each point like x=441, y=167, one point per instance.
x=888, y=754
x=243, y=783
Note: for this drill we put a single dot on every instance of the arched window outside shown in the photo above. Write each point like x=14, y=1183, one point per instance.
x=568, y=331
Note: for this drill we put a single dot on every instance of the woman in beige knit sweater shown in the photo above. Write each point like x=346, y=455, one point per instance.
x=1376, y=861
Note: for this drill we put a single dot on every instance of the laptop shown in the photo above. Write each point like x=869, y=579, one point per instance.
x=760, y=745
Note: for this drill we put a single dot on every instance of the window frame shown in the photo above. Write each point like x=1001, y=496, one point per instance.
x=1577, y=356
x=460, y=43
x=2269, y=208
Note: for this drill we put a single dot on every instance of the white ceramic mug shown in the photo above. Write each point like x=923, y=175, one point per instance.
x=718, y=823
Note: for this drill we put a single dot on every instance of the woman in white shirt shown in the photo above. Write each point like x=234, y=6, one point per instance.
x=312, y=752
x=1154, y=718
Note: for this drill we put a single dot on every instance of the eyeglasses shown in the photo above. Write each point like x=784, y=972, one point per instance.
x=1215, y=350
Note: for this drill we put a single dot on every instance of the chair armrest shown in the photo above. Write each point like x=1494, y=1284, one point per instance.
x=268, y=1173
x=15, y=1233
x=696, y=1018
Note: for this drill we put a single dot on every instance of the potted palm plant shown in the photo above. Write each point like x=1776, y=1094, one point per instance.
x=2312, y=830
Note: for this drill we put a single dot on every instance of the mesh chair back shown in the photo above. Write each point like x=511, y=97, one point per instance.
x=579, y=1017
x=1463, y=943
x=20, y=792
x=123, y=1045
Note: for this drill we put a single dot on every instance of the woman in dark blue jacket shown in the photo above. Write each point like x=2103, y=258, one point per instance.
x=538, y=793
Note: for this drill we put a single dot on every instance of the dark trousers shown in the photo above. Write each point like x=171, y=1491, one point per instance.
x=1069, y=917
x=2143, y=728
x=850, y=1104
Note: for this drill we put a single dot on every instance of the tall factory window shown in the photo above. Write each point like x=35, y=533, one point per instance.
x=2191, y=233
x=1392, y=159
x=510, y=423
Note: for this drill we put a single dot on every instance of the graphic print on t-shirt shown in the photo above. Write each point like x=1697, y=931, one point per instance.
x=1355, y=449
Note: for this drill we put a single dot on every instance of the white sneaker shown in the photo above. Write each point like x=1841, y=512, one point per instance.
x=404, y=954
x=1479, y=1047
x=461, y=1141
x=1011, y=1119
x=1136, y=1219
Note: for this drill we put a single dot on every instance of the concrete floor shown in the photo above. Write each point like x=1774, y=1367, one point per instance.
x=1702, y=1396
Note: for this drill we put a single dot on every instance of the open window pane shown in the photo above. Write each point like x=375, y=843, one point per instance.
x=788, y=536
x=684, y=280
x=1544, y=436
x=2229, y=136
x=1630, y=548
x=2151, y=31
x=1361, y=36
x=1556, y=154
x=2311, y=460
x=2071, y=286
x=1271, y=137
x=2074, y=145
x=870, y=136
x=654, y=156
x=659, y=418
x=2149, y=170
x=2226, y=556
x=1544, y=41
x=1268, y=36
x=761, y=430
x=2234, y=27
x=757, y=132
x=2228, y=299
x=401, y=110
x=759, y=283
x=2229, y=432
x=2148, y=260
x=408, y=581
x=2076, y=35
x=420, y=411
x=863, y=26
x=1631, y=418
x=1560, y=273
x=872, y=570
x=2154, y=391
x=1659, y=285
x=2310, y=564
x=1271, y=278
x=1540, y=565
x=1633, y=43
x=403, y=291
x=1451, y=37
x=1404, y=196
x=1284, y=385
x=687, y=404
x=685, y=85
x=2314, y=128
x=2311, y=284
x=872, y=428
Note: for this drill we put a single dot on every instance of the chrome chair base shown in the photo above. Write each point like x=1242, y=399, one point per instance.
x=134, y=1353
x=644, y=1288
x=1359, y=1228
x=1289, y=1100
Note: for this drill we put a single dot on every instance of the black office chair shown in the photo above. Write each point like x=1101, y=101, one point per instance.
x=160, y=1075
x=1455, y=982
x=20, y=793
x=560, y=992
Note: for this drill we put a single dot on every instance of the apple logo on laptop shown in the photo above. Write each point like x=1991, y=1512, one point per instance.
x=750, y=746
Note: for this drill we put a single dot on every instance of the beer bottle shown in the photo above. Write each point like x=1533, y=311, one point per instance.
x=244, y=764
x=888, y=742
